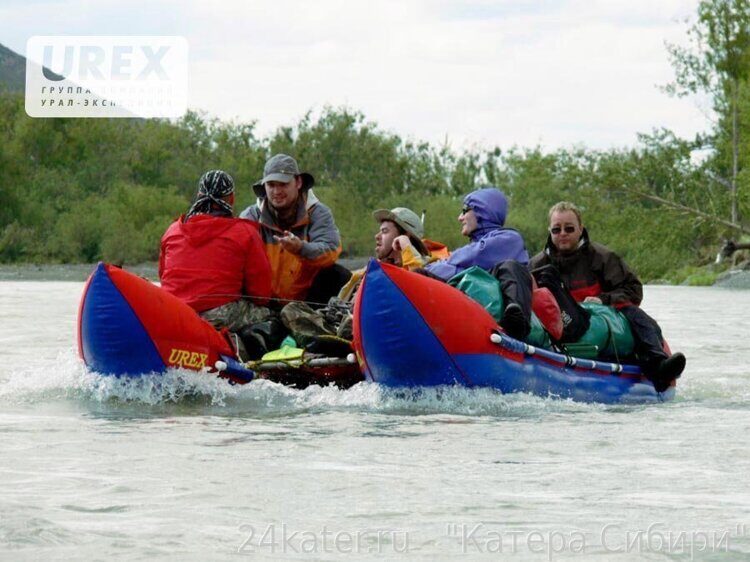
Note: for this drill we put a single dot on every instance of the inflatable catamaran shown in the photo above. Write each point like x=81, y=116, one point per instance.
x=409, y=331
x=127, y=326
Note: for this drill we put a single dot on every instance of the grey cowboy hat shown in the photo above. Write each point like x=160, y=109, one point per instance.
x=409, y=221
x=282, y=168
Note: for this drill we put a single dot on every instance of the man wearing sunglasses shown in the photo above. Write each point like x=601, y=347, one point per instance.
x=591, y=272
x=496, y=248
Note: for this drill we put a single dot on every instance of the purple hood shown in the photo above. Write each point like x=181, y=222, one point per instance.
x=491, y=243
x=490, y=207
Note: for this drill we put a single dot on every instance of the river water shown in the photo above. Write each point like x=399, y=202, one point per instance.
x=189, y=467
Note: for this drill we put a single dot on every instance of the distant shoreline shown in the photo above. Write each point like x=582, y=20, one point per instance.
x=65, y=271
x=80, y=271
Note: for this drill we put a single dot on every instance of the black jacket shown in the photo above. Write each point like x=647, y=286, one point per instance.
x=593, y=270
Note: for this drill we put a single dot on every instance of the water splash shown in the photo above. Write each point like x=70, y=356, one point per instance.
x=183, y=392
x=186, y=392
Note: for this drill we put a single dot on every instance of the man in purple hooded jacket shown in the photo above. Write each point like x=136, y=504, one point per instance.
x=499, y=250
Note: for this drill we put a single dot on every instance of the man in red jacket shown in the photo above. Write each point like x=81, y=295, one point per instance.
x=217, y=263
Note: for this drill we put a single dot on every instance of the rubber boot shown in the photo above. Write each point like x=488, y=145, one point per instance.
x=514, y=322
x=515, y=288
x=667, y=371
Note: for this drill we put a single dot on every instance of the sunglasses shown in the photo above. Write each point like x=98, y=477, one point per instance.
x=567, y=228
x=466, y=209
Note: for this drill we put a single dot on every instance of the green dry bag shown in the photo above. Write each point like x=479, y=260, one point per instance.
x=609, y=332
x=482, y=287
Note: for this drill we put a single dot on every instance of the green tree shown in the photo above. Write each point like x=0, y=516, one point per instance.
x=342, y=148
x=716, y=63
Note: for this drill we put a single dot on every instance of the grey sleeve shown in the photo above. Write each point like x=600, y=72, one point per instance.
x=323, y=235
x=252, y=213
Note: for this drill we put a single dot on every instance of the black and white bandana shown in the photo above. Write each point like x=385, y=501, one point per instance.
x=212, y=186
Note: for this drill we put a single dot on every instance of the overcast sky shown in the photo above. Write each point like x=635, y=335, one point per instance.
x=474, y=72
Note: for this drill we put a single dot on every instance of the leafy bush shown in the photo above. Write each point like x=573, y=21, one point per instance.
x=89, y=189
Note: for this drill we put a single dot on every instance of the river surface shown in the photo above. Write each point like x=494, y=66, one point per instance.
x=186, y=466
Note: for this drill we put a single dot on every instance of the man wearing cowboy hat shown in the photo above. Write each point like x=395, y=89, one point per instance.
x=400, y=241
x=299, y=233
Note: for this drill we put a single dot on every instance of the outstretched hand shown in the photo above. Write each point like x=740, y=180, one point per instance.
x=289, y=242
